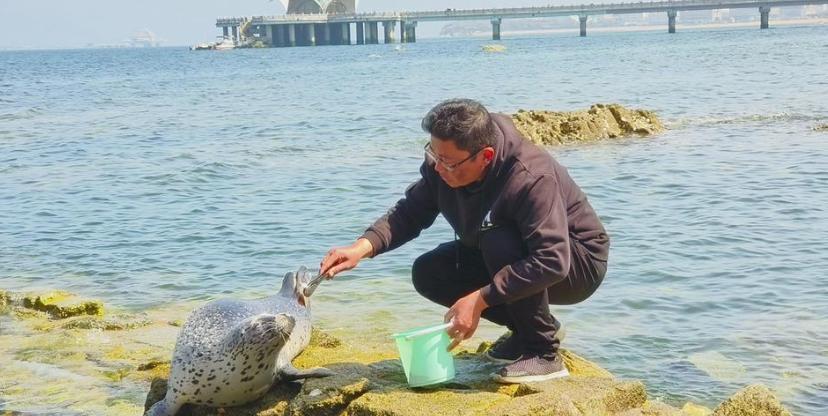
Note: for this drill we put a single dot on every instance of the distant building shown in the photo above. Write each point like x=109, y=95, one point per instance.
x=144, y=38
x=320, y=6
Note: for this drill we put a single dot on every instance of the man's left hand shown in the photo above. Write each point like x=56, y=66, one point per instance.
x=464, y=316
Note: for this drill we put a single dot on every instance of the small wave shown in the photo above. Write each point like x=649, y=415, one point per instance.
x=740, y=119
x=21, y=115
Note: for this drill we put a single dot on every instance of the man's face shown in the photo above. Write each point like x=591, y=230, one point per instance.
x=457, y=167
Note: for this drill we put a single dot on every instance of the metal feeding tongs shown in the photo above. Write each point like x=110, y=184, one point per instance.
x=313, y=284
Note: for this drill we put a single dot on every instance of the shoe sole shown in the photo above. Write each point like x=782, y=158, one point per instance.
x=530, y=379
x=500, y=360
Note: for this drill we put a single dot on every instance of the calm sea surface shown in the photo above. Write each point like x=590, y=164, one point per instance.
x=145, y=177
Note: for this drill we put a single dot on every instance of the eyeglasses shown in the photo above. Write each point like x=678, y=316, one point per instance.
x=431, y=156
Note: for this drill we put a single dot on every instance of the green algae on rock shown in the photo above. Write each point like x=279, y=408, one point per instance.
x=374, y=384
x=753, y=400
x=117, y=322
x=62, y=305
x=601, y=121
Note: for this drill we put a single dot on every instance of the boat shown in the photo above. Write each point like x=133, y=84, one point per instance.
x=224, y=44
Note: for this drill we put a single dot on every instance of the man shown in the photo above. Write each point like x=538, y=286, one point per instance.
x=525, y=237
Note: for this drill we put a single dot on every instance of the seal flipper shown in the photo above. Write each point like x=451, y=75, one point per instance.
x=164, y=407
x=291, y=373
x=255, y=329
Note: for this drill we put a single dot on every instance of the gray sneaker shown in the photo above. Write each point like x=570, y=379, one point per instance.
x=531, y=368
x=505, y=350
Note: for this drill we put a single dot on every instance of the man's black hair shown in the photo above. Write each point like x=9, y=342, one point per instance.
x=465, y=122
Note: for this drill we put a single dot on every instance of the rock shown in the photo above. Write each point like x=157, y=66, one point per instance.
x=601, y=121
x=494, y=48
x=62, y=305
x=754, y=400
x=576, y=396
x=820, y=127
x=653, y=408
x=690, y=409
x=329, y=396
x=406, y=402
x=118, y=322
x=370, y=385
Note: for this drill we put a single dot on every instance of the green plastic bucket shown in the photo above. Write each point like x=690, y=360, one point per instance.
x=424, y=355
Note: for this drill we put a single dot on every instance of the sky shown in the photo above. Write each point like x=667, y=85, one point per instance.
x=40, y=24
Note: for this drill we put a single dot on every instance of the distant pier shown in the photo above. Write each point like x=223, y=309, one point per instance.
x=334, y=28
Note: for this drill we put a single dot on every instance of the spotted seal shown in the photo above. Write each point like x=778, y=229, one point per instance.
x=230, y=352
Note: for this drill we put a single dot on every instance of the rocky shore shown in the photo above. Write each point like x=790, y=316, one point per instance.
x=601, y=121
x=103, y=350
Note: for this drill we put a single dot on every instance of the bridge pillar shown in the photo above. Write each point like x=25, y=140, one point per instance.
x=371, y=33
x=226, y=31
x=326, y=34
x=764, y=14
x=671, y=21
x=291, y=35
x=412, y=32
x=403, y=31
x=236, y=33
x=271, y=40
x=496, y=28
x=389, y=27
x=311, y=34
x=282, y=36
x=360, y=29
x=346, y=33
x=583, y=20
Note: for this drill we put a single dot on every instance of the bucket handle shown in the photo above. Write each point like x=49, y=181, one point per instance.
x=427, y=331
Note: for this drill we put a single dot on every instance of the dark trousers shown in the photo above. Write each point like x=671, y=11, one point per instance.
x=452, y=270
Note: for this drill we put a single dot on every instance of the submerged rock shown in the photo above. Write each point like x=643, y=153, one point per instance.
x=691, y=409
x=494, y=48
x=62, y=305
x=601, y=121
x=754, y=400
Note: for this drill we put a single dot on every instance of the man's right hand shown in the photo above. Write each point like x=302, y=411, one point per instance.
x=340, y=259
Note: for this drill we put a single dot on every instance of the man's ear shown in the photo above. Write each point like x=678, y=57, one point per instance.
x=488, y=154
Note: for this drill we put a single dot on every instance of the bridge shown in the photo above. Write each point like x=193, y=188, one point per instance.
x=311, y=29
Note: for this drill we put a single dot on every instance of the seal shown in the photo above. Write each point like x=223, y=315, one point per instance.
x=231, y=352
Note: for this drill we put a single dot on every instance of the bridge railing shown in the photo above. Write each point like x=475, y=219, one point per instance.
x=515, y=12
x=719, y=4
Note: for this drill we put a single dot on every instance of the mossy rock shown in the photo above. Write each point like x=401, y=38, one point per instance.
x=62, y=305
x=371, y=381
x=821, y=127
x=118, y=322
x=653, y=408
x=330, y=396
x=753, y=400
x=691, y=409
x=601, y=121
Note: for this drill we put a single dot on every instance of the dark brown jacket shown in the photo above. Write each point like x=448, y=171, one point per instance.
x=524, y=188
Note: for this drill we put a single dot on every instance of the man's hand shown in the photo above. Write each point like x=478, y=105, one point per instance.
x=464, y=316
x=340, y=259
